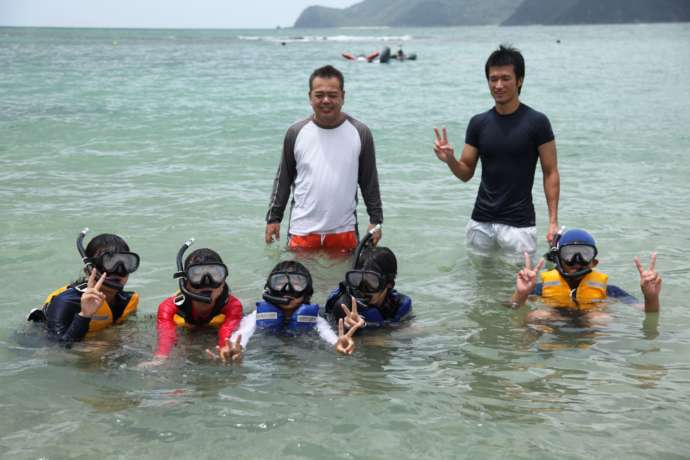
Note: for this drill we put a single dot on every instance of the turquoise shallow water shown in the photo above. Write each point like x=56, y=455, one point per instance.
x=163, y=135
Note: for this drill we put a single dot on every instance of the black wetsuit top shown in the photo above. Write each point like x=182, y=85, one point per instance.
x=508, y=151
x=62, y=314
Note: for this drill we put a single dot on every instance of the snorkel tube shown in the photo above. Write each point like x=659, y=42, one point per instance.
x=363, y=243
x=552, y=254
x=88, y=263
x=82, y=251
x=181, y=276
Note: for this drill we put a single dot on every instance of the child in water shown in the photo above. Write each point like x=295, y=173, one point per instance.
x=574, y=290
x=96, y=301
x=286, y=309
x=204, y=300
x=369, y=289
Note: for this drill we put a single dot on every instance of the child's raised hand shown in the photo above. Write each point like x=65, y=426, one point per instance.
x=526, y=279
x=650, y=280
x=352, y=317
x=93, y=297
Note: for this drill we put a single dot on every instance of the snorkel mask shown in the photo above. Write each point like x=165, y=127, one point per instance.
x=209, y=275
x=364, y=284
x=284, y=286
x=573, y=247
x=110, y=262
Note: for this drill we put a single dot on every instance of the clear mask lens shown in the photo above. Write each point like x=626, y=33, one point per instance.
x=288, y=282
x=117, y=262
x=577, y=254
x=364, y=281
x=211, y=275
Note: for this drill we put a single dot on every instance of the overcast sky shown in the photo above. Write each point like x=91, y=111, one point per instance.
x=158, y=13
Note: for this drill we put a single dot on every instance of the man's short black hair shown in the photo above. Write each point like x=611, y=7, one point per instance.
x=507, y=55
x=327, y=71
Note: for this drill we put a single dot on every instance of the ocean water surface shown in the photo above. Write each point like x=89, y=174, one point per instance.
x=162, y=135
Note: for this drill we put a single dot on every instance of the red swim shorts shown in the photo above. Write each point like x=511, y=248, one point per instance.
x=345, y=241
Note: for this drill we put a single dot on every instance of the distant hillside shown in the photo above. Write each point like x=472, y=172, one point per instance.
x=420, y=13
x=599, y=12
x=410, y=13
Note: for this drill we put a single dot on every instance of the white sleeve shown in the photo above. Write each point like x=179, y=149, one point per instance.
x=325, y=331
x=246, y=328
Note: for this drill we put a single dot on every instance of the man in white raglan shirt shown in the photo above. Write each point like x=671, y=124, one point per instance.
x=325, y=157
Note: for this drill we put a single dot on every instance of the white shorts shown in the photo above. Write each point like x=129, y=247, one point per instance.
x=486, y=236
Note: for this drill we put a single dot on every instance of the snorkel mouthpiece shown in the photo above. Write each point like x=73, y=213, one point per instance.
x=88, y=263
x=277, y=300
x=181, y=276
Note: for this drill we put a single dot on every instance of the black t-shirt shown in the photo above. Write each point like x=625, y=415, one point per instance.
x=508, y=150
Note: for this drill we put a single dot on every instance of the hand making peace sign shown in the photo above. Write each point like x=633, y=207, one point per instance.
x=650, y=280
x=526, y=279
x=444, y=151
x=345, y=344
x=92, y=298
x=352, y=317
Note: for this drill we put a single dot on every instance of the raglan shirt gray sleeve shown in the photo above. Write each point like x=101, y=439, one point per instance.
x=285, y=176
x=368, y=178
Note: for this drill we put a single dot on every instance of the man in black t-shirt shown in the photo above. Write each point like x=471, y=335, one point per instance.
x=508, y=139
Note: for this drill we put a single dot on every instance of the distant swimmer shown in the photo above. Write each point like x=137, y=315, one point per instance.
x=286, y=309
x=371, y=57
x=97, y=300
x=204, y=300
x=575, y=290
x=508, y=140
x=325, y=158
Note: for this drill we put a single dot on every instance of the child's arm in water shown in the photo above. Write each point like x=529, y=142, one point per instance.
x=343, y=341
x=245, y=330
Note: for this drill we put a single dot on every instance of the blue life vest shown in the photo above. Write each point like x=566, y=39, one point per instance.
x=268, y=316
x=374, y=317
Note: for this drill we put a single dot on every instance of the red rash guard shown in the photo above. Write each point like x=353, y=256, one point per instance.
x=167, y=328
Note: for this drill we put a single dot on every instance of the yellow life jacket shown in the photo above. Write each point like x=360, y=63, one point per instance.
x=103, y=317
x=179, y=318
x=590, y=292
x=216, y=321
